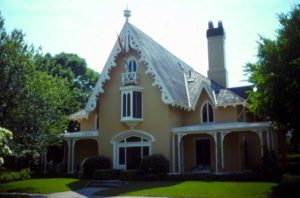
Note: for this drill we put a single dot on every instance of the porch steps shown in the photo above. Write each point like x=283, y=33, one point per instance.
x=106, y=183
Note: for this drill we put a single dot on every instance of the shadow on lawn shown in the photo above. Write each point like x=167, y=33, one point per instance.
x=137, y=185
x=77, y=185
x=286, y=190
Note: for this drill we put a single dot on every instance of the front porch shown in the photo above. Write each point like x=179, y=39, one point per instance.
x=79, y=146
x=220, y=148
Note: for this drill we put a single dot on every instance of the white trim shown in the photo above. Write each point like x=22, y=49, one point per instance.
x=129, y=90
x=209, y=93
x=122, y=136
x=69, y=156
x=223, y=134
x=173, y=153
x=132, y=88
x=215, y=135
x=81, y=135
x=111, y=62
x=165, y=95
x=226, y=126
x=187, y=90
x=127, y=133
x=79, y=115
x=179, y=153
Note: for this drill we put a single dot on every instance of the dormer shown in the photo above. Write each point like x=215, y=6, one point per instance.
x=130, y=76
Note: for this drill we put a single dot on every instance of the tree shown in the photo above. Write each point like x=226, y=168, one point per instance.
x=5, y=137
x=70, y=66
x=33, y=102
x=276, y=76
x=74, y=69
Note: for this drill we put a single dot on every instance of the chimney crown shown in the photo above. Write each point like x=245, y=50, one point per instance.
x=212, y=31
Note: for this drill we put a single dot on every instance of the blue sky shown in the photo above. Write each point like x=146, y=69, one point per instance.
x=88, y=27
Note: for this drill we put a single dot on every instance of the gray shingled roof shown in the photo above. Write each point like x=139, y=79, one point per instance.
x=171, y=70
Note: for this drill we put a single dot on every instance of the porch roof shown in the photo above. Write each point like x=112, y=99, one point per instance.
x=218, y=127
x=81, y=135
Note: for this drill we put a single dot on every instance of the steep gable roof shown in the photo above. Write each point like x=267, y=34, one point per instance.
x=169, y=74
x=169, y=68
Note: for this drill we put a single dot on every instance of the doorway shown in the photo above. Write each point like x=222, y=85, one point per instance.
x=202, y=152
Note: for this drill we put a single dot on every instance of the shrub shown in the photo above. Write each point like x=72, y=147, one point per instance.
x=154, y=165
x=293, y=157
x=90, y=164
x=106, y=174
x=129, y=175
x=289, y=178
x=15, y=175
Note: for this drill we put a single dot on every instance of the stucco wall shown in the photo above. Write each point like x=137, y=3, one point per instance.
x=155, y=113
x=88, y=124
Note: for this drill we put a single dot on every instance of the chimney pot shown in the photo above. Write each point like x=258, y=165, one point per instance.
x=210, y=25
x=220, y=25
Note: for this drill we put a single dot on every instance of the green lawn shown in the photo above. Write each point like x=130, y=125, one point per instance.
x=193, y=189
x=44, y=186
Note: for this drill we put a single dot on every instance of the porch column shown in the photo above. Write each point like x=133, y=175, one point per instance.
x=45, y=162
x=272, y=140
x=222, y=148
x=69, y=155
x=261, y=142
x=215, y=135
x=72, y=162
x=179, y=137
x=268, y=139
x=178, y=153
x=173, y=153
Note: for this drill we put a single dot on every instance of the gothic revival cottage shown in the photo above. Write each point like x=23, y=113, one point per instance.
x=148, y=101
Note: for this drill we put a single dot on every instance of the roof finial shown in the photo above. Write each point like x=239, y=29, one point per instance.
x=127, y=14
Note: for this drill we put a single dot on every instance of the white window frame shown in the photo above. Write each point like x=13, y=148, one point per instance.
x=207, y=112
x=130, y=90
x=122, y=136
x=126, y=144
x=131, y=58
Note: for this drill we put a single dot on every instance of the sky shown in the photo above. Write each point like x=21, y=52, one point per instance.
x=88, y=27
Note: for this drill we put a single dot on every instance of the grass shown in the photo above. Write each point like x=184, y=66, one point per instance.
x=44, y=186
x=193, y=189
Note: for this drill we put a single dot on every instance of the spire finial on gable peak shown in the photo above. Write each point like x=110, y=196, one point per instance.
x=127, y=13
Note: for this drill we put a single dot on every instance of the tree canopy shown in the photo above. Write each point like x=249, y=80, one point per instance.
x=38, y=92
x=276, y=75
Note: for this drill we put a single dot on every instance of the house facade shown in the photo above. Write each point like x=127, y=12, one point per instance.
x=148, y=101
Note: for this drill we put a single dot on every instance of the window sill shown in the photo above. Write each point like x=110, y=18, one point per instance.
x=131, y=122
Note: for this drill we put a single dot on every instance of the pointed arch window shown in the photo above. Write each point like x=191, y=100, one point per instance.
x=130, y=76
x=132, y=66
x=207, y=113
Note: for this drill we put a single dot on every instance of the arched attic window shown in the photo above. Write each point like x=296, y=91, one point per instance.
x=131, y=65
x=207, y=113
